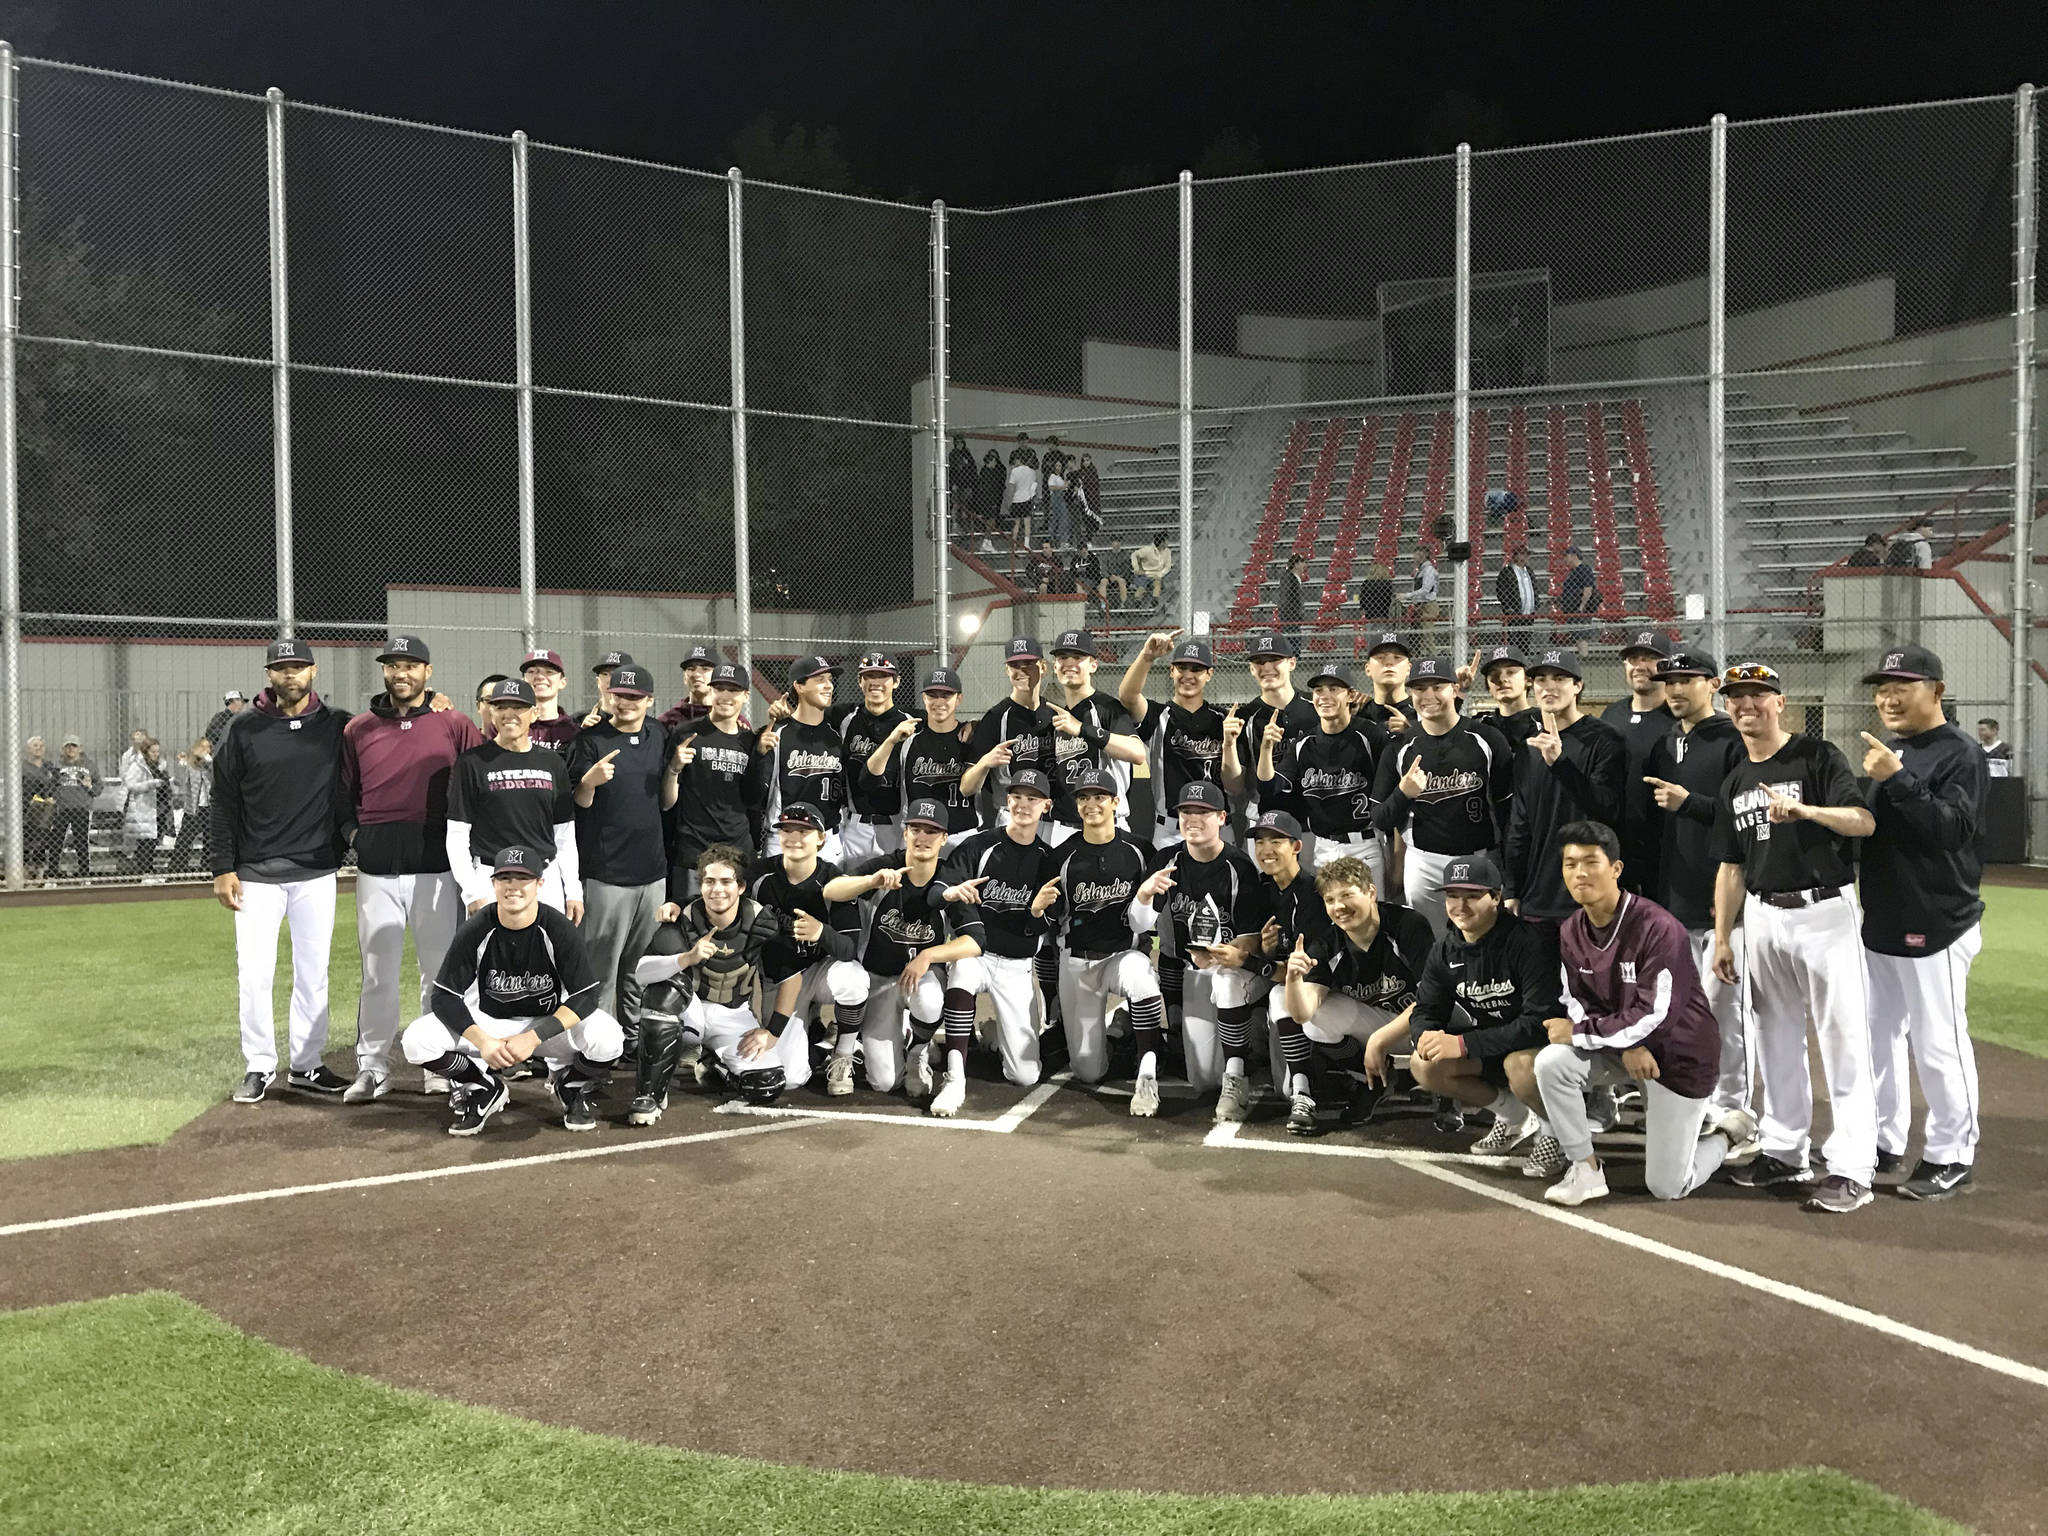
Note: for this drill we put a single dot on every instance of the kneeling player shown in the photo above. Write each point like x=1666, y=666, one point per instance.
x=814, y=964
x=1297, y=910
x=1480, y=1015
x=699, y=975
x=1635, y=1011
x=914, y=936
x=515, y=983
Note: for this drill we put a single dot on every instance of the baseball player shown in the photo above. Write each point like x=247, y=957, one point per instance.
x=1387, y=661
x=484, y=689
x=1017, y=733
x=809, y=756
x=276, y=847
x=1571, y=770
x=874, y=822
x=1003, y=873
x=698, y=978
x=516, y=983
x=1479, y=1017
x=1505, y=671
x=929, y=758
x=1782, y=821
x=1348, y=982
x=1216, y=910
x=397, y=758
x=1297, y=910
x=1184, y=736
x=1095, y=877
x=1921, y=914
x=1106, y=742
x=510, y=793
x=1329, y=772
x=1270, y=658
x=1643, y=719
x=553, y=726
x=601, y=674
x=1684, y=774
x=699, y=662
x=815, y=963
x=1444, y=788
x=915, y=938
x=720, y=783
x=1633, y=1011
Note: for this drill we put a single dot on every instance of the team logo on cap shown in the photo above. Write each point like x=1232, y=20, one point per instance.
x=1459, y=872
x=400, y=643
x=1646, y=639
x=613, y=658
x=1894, y=660
x=1553, y=656
x=513, y=856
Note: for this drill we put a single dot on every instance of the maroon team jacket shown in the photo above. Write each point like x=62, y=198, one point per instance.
x=1634, y=983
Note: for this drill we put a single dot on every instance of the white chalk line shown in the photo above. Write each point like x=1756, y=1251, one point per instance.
x=1002, y=1125
x=1430, y=1165
x=379, y=1180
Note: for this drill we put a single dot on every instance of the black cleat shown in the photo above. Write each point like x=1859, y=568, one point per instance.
x=1768, y=1172
x=474, y=1105
x=254, y=1085
x=319, y=1080
x=1301, y=1115
x=646, y=1109
x=1450, y=1116
x=1891, y=1162
x=579, y=1104
x=1937, y=1181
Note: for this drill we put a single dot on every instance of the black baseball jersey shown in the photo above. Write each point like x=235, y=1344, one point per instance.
x=861, y=732
x=619, y=835
x=1787, y=855
x=774, y=889
x=1497, y=992
x=910, y=918
x=720, y=794
x=1379, y=714
x=1073, y=753
x=513, y=973
x=1029, y=732
x=1297, y=718
x=930, y=765
x=810, y=768
x=1228, y=885
x=1698, y=761
x=511, y=797
x=1471, y=784
x=1382, y=975
x=1923, y=865
x=1298, y=909
x=1331, y=773
x=1014, y=872
x=1097, y=883
x=1585, y=782
x=1186, y=745
x=1641, y=829
x=727, y=978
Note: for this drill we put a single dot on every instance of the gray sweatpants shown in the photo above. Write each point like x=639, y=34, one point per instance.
x=618, y=925
x=1677, y=1159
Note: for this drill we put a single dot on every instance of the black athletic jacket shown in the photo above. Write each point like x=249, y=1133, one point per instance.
x=1497, y=993
x=277, y=788
x=1584, y=782
x=1699, y=761
x=1922, y=866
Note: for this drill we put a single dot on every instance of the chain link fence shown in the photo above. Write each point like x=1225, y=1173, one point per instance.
x=273, y=367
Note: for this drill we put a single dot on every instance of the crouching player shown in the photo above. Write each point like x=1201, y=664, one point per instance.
x=1350, y=981
x=914, y=935
x=516, y=982
x=1480, y=1015
x=1634, y=1011
x=699, y=976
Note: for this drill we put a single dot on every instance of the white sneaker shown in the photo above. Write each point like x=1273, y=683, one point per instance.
x=839, y=1077
x=1505, y=1136
x=917, y=1073
x=1145, y=1095
x=1234, y=1103
x=435, y=1084
x=951, y=1096
x=1740, y=1127
x=1579, y=1184
x=367, y=1086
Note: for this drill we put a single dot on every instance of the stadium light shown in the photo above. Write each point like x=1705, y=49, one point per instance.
x=969, y=623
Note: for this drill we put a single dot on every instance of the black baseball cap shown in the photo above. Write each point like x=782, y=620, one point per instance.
x=800, y=813
x=1201, y=795
x=1906, y=664
x=286, y=652
x=1387, y=640
x=1432, y=669
x=726, y=675
x=1078, y=641
x=1031, y=782
x=1648, y=642
x=1752, y=674
x=808, y=667
x=517, y=859
x=1474, y=872
x=1093, y=781
x=1565, y=660
x=1021, y=648
x=941, y=680
x=1332, y=674
x=1688, y=664
x=510, y=690
x=632, y=682
x=1268, y=645
x=879, y=662
x=1502, y=656
x=1193, y=653
x=926, y=813
x=700, y=655
x=543, y=658
x=405, y=648
x=611, y=659
x=1276, y=824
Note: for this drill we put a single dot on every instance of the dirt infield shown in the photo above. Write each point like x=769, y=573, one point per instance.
x=1087, y=1300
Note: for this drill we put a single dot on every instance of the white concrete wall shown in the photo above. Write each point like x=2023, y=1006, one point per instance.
x=1135, y=372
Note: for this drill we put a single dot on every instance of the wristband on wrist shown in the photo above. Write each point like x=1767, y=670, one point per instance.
x=777, y=1022
x=1095, y=735
x=546, y=1029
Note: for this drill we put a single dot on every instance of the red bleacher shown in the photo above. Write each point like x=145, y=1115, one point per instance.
x=1649, y=520
x=1337, y=579
x=1248, y=598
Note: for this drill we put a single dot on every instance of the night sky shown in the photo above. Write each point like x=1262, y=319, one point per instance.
x=989, y=104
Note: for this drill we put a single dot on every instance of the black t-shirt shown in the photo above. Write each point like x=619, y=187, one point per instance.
x=1298, y=909
x=1787, y=855
x=774, y=889
x=862, y=732
x=1187, y=745
x=1516, y=729
x=1097, y=883
x=720, y=792
x=511, y=797
x=1014, y=873
x=810, y=769
x=513, y=973
x=1228, y=885
x=1384, y=974
x=1464, y=806
x=910, y=918
x=930, y=765
x=618, y=838
x=1330, y=774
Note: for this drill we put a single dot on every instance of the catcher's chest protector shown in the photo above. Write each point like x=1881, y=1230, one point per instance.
x=728, y=979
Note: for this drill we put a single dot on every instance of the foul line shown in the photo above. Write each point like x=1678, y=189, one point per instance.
x=1428, y=1165
x=1002, y=1125
x=375, y=1181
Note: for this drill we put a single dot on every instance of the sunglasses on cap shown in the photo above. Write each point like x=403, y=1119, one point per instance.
x=1749, y=672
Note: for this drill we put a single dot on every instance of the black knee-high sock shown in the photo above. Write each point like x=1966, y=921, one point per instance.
x=461, y=1067
x=1171, y=968
x=1047, y=964
x=1232, y=1031
x=959, y=1019
x=1147, y=1018
x=850, y=1018
x=1296, y=1050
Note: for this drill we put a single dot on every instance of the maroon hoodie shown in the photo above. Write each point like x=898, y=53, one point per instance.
x=1634, y=983
x=394, y=784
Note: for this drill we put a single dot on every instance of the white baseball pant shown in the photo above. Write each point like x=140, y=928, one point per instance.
x=1012, y=989
x=1921, y=1002
x=1317, y=849
x=1202, y=994
x=1422, y=882
x=386, y=905
x=720, y=1028
x=1801, y=961
x=1732, y=1090
x=1085, y=986
x=860, y=840
x=842, y=982
x=1342, y=1018
x=1676, y=1159
x=308, y=905
x=596, y=1037
x=882, y=1032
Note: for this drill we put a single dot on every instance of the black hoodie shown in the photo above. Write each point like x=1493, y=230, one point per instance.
x=276, y=792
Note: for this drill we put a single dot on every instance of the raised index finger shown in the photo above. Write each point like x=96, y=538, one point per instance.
x=1870, y=738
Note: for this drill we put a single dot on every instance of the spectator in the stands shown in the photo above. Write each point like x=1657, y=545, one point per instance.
x=232, y=704
x=1087, y=569
x=1024, y=453
x=1053, y=470
x=77, y=783
x=1150, y=563
x=1515, y=590
x=1579, y=597
x=1085, y=486
x=143, y=770
x=1424, y=606
x=1022, y=496
x=193, y=783
x=38, y=809
x=1871, y=552
x=1290, y=602
x=960, y=486
x=1111, y=577
x=1498, y=505
x=1996, y=748
x=990, y=483
x=1376, y=595
x=1042, y=572
x=1911, y=549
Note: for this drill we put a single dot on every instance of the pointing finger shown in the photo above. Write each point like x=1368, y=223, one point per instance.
x=1870, y=738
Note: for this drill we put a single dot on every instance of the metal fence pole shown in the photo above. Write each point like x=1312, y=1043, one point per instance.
x=11, y=808
x=742, y=558
x=1717, y=383
x=1461, y=404
x=280, y=359
x=2026, y=238
x=522, y=393
x=1187, y=401
x=941, y=527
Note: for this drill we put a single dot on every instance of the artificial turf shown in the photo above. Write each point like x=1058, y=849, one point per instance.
x=146, y=1413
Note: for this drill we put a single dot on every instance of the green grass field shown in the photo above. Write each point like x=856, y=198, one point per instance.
x=145, y=1413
